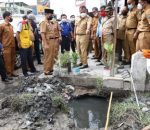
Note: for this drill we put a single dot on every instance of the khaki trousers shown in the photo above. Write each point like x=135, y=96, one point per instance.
x=95, y=42
x=82, y=42
x=106, y=57
x=57, y=48
x=130, y=44
x=49, y=55
x=9, y=55
x=143, y=41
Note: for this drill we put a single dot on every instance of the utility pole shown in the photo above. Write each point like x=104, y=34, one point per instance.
x=115, y=41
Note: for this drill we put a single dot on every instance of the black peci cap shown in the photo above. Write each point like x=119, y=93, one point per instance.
x=49, y=11
x=108, y=8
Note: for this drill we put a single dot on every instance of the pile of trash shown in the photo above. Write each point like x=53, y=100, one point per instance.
x=40, y=99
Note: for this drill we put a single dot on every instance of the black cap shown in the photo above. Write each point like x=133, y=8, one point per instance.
x=48, y=11
x=29, y=11
x=108, y=8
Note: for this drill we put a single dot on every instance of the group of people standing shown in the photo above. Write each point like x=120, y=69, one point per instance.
x=133, y=30
x=27, y=38
x=94, y=29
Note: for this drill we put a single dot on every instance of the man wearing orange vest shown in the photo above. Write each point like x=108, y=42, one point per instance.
x=25, y=45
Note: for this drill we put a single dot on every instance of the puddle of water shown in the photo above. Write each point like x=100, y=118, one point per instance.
x=89, y=112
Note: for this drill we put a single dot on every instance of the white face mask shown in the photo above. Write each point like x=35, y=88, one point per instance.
x=130, y=6
x=139, y=6
x=64, y=20
x=83, y=15
x=96, y=14
x=72, y=19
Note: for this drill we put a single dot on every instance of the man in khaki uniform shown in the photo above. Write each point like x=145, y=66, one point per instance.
x=95, y=40
x=82, y=34
x=50, y=38
x=8, y=41
x=57, y=31
x=131, y=25
x=108, y=37
x=121, y=33
x=143, y=31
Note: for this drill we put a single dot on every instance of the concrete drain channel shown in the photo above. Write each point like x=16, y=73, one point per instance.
x=43, y=102
x=89, y=112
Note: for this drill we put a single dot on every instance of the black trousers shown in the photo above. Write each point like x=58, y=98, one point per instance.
x=100, y=48
x=27, y=59
x=2, y=68
x=119, y=49
x=37, y=50
x=65, y=44
x=73, y=45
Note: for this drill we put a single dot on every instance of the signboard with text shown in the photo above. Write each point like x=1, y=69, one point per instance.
x=42, y=4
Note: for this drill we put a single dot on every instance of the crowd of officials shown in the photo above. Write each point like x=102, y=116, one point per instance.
x=89, y=31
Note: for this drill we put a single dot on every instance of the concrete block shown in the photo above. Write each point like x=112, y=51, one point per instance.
x=113, y=83
x=83, y=81
x=138, y=71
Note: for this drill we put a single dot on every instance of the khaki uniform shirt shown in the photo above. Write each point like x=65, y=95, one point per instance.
x=132, y=19
x=94, y=24
x=7, y=35
x=144, y=24
x=108, y=26
x=51, y=29
x=82, y=24
x=121, y=27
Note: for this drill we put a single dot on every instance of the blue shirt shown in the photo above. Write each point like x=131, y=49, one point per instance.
x=66, y=28
x=1, y=46
x=99, y=28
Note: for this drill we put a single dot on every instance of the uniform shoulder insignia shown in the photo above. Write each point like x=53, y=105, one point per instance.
x=41, y=22
x=148, y=16
x=148, y=13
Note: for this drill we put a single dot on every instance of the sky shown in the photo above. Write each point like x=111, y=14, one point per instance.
x=63, y=6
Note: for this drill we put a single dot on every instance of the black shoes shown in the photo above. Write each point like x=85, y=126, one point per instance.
x=26, y=75
x=84, y=66
x=126, y=63
x=100, y=64
x=94, y=58
x=9, y=78
x=14, y=75
x=34, y=71
x=40, y=63
x=49, y=73
x=7, y=81
x=80, y=64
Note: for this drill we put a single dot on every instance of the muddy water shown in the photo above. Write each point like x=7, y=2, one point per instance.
x=89, y=112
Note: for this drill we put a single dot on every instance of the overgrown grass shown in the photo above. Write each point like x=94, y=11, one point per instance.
x=99, y=83
x=20, y=103
x=121, y=110
x=59, y=102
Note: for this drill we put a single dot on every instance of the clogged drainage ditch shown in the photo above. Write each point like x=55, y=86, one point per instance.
x=47, y=103
x=89, y=112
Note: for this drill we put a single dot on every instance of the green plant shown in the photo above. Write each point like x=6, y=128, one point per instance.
x=59, y=102
x=99, y=81
x=64, y=59
x=74, y=58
